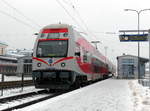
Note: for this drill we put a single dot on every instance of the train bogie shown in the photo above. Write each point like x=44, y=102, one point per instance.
x=57, y=79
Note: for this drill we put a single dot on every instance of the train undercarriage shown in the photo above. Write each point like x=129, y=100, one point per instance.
x=58, y=79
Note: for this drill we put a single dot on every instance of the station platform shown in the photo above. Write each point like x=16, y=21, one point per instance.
x=107, y=95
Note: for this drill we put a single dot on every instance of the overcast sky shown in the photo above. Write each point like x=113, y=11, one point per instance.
x=100, y=16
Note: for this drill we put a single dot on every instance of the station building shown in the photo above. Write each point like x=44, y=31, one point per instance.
x=3, y=47
x=8, y=65
x=24, y=66
x=127, y=66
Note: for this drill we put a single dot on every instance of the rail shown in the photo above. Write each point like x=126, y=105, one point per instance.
x=13, y=84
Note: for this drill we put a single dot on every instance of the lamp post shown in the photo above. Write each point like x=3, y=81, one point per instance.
x=95, y=43
x=138, y=20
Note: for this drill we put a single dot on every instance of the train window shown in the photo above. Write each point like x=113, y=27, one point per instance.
x=85, y=55
x=84, y=58
x=44, y=35
x=55, y=48
x=39, y=53
x=53, y=35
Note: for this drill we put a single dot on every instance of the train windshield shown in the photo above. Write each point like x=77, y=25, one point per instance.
x=52, y=48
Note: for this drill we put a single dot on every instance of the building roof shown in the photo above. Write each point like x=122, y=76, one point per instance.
x=143, y=59
x=2, y=43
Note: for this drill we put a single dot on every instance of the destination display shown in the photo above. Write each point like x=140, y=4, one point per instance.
x=133, y=37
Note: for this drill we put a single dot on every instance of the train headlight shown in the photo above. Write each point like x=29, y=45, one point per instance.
x=63, y=64
x=39, y=64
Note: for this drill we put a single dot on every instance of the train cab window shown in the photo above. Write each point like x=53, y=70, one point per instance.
x=57, y=35
x=53, y=35
x=43, y=35
x=54, y=48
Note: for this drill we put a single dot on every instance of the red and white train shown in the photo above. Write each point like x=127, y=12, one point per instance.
x=63, y=58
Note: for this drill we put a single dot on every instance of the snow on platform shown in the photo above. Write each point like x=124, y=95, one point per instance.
x=107, y=95
x=140, y=96
x=17, y=91
x=14, y=78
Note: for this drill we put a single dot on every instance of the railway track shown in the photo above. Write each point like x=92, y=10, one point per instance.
x=20, y=96
x=14, y=84
x=6, y=104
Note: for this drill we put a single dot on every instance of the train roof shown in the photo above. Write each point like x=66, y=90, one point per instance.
x=57, y=25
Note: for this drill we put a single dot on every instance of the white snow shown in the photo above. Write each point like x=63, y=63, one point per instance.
x=13, y=78
x=140, y=96
x=16, y=91
x=17, y=102
x=108, y=95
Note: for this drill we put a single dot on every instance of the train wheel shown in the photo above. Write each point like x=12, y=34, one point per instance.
x=52, y=90
x=75, y=85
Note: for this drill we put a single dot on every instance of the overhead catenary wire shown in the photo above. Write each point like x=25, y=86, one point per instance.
x=70, y=15
x=92, y=33
x=109, y=33
x=84, y=23
x=19, y=12
x=80, y=18
x=18, y=20
x=68, y=3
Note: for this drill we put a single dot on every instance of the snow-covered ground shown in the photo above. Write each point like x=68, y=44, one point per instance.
x=107, y=95
x=13, y=78
x=140, y=96
x=16, y=91
x=21, y=101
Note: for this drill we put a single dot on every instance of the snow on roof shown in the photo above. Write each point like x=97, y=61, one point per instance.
x=2, y=43
x=141, y=58
x=7, y=58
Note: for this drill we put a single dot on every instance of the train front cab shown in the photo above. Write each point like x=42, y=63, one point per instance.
x=60, y=78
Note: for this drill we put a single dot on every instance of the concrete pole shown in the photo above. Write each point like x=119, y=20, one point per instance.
x=149, y=55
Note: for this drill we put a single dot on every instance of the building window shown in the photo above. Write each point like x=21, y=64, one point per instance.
x=128, y=61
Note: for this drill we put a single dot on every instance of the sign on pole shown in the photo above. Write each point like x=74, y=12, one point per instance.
x=132, y=36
